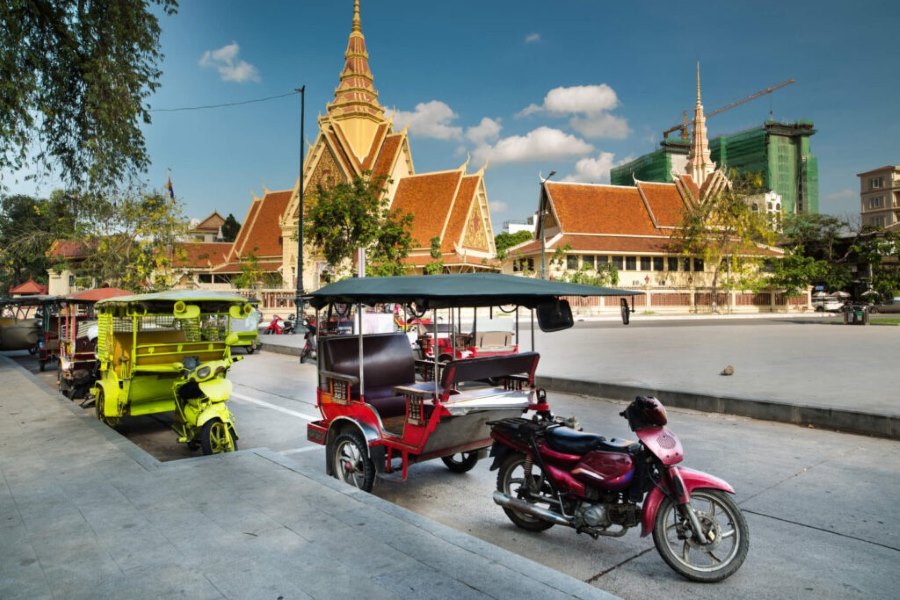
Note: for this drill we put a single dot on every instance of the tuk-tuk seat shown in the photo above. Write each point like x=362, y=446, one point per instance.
x=388, y=362
x=513, y=370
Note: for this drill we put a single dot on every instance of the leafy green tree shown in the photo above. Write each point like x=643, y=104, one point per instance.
x=136, y=242
x=28, y=226
x=230, y=228
x=251, y=274
x=505, y=241
x=436, y=266
x=879, y=250
x=726, y=233
x=74, y=79
x=815, y=253
x=603, y=276
x=347, y=216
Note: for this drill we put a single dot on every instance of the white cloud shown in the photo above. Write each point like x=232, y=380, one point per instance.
x=590, y=106
x=532, y=38
x=593, y=170
x=225, y=61
x=543, y=143
x=603, y=125
x=499, y=206
x=429, y=119
x=484, y=132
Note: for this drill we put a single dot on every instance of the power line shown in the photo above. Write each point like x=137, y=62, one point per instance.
x=208, y=106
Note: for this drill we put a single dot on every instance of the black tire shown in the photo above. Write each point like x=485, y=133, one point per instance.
x=626, y=312
x=461, y=463
x=217, y=437
x=98, y=410
x=251, y=349
x=719, y=515
x=511, y=481
x=42, y=364
x=352, y=463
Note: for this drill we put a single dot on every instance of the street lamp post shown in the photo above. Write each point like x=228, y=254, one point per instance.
x=298, y=300
x=542, y=209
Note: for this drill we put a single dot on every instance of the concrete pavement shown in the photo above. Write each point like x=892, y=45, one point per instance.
x=86, y=514
x=809, y=371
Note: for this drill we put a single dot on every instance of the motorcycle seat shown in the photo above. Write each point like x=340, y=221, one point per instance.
x=566, y=439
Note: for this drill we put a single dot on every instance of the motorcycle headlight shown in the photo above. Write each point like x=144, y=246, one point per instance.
x=203, y=372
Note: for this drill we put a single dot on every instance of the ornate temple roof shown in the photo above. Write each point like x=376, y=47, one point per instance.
x=355, y=94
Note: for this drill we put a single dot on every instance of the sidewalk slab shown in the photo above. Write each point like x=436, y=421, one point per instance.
x=85, y=514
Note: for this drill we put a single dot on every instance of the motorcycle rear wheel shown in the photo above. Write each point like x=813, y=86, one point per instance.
x=719, y=516
x=511, y=480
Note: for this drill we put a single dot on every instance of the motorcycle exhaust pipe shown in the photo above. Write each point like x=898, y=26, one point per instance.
x=530, y=509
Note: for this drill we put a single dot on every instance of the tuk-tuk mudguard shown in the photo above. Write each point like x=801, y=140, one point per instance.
x=369, y=433
x=217, y=390
x=217, y=410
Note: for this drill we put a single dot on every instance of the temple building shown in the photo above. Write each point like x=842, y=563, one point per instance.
x=589, y=227
x=356, y=137
x=779, y=151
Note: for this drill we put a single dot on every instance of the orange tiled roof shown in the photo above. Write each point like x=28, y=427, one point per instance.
x=201, y=255
x=429, y=199
x=455, y=231
x=664, y=201
x=267, y=266
x=211, y=223
x=377, y=144
x=585, y=208
x=451, y=259
x=388, y=154
x=261, y=232
x=68, y=249
x=28, y=288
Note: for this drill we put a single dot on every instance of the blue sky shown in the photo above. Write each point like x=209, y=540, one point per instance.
x=532, y=86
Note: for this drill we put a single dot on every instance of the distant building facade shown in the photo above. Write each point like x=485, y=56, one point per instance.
x=879, y=197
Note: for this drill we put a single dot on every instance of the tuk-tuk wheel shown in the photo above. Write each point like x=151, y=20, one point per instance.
x=352, y=463
x=98, y=409
x=217, y=437
x=461, y=463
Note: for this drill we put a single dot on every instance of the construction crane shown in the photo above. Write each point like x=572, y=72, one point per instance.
x=683, y=126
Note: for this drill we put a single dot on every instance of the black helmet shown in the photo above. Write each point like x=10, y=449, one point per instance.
x=645, y=411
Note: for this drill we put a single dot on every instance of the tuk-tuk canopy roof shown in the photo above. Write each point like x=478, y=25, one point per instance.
x=170, y=297
x=446, y=291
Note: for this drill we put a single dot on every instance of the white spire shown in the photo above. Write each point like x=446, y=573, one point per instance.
x=699, y=166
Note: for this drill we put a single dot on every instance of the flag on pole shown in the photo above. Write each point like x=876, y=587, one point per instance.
x=171, y=189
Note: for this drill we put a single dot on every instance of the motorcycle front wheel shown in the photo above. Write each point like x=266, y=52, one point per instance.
x=217, y=437
x=513, y=481
x=723, y=524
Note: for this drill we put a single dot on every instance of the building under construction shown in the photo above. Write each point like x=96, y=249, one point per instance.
x=779, y=151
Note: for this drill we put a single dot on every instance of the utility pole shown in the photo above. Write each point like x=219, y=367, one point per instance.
x=298, y=300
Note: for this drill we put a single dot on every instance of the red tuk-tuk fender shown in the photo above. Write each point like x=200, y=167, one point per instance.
x=689, y=480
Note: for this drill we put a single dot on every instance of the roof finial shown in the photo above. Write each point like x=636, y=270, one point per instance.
x=698, y=81
x=356, y=21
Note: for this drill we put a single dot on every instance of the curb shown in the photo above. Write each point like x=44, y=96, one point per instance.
x=848, y=421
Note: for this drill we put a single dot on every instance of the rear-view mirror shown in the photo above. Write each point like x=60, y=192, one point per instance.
x=554, y=316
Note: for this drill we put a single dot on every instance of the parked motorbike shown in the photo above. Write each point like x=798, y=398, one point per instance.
x=550, y=474
x=280, y=326
x=310, y=340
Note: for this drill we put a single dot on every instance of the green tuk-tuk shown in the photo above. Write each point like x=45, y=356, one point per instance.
x=170, y=352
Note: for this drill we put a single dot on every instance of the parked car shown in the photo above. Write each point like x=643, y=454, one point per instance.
x=891, y=306
x=823, y=302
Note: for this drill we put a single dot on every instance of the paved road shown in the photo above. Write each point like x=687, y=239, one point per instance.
x=819, y=504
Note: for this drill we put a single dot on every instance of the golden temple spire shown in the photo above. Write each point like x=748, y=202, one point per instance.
x=355, y=95
x=699, y=165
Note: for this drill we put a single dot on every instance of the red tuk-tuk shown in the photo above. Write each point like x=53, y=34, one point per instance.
x=77, y=340
x=376, y=412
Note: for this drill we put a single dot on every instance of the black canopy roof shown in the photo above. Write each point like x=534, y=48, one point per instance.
x=444, y=291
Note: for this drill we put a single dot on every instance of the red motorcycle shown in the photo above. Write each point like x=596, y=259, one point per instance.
x=279, y=326
x=550, y=474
